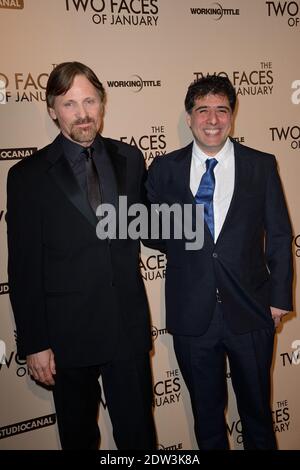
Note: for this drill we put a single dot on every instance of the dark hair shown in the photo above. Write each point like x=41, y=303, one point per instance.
x=61, y=79
x=211, y=84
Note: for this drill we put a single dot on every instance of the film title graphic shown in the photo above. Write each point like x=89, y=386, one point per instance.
x=258, y=81
x=23, y=87
x=167, y=390
x=153, y=267
x=118, y=12
x=292, y=358
x=281, y=422
x=297, y=245
x=152, y=144
x=11, y=361
x=281, y=416
x=289, y=134
x=234, y=429
x=290, y=11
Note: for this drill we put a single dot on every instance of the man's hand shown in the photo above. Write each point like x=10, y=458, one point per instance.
x=41, y=366
x=277, y=314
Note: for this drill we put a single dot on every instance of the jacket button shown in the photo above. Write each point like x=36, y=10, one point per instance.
x=215, y=255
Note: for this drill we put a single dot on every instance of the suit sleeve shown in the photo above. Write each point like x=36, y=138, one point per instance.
x=278, y=240
x=25, y=263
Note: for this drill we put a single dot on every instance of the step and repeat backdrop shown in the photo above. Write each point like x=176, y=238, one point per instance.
x=146, y=53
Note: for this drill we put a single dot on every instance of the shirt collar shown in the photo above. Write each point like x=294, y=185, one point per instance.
x=221, y=156
x=72, y=150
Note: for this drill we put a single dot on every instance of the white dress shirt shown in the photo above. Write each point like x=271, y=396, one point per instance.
x=224, y=177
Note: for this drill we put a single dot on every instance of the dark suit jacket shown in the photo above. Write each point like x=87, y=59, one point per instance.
x=71, y=291
x=251, y=262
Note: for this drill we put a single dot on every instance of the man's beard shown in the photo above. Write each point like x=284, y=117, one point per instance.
x=84, y=135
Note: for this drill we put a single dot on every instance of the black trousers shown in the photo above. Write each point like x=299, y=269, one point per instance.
x=202, y=361
x=127, y=387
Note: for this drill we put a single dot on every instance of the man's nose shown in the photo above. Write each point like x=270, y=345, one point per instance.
x=212, y=116
x=81, y=111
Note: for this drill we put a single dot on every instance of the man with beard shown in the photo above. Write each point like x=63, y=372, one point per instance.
x=79, y=301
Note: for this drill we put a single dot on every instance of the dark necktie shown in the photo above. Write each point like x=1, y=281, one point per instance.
x=92, y=180
x=205, y=193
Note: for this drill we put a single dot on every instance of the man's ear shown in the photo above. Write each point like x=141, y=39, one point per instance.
x=52, y=113
x=188, y=119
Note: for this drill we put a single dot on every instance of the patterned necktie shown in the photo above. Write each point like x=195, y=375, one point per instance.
x=92, y=180
x=205, y=193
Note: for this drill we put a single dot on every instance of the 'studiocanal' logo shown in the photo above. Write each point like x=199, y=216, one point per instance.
x=16, y=154
x=26, y=426
x=4, y=287
x=12, y=4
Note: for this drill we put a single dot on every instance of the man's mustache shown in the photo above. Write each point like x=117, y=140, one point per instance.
x=86, y=120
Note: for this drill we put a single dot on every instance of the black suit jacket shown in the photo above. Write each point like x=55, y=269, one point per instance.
x=251, y=262
x=71, y=291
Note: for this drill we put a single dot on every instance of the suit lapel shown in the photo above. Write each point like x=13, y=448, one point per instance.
x=119, y=163
x=61, y=173
x=182, y=175
x=242, y=179
x=119, y=166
